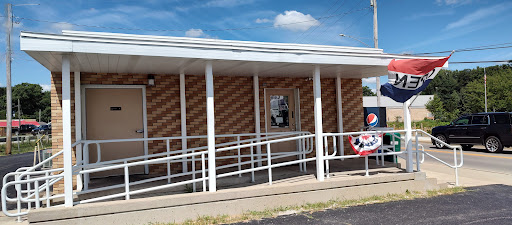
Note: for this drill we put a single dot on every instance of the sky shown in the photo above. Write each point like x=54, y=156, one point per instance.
x=405, y=26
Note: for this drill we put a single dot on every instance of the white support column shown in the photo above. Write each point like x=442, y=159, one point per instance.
x=408, y=137
x=210, y=116
x=319, y=140
x=66, y=132
x=78, y=126
x=341, y=148
x=183, y=106
x=256, y=88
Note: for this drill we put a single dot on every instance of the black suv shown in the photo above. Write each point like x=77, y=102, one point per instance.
x=493, y=130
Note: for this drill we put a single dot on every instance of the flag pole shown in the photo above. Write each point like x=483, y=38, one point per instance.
x=485, y=89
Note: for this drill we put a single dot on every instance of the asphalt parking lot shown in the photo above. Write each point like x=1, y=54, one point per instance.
x=488, y=204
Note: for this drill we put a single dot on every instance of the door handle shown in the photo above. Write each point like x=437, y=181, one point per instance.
x=139, y=131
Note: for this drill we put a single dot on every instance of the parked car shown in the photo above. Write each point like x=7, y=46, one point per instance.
x=23, y=129
x=493, y=130
x=43, y=129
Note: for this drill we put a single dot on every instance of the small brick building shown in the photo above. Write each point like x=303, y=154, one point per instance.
x=108, y=86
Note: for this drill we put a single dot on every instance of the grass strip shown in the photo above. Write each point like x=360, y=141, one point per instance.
x=315, y=207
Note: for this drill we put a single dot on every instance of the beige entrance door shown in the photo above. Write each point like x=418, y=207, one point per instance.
x=114, y=113
x=281, y=116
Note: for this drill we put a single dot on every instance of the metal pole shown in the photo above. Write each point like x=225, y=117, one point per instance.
x=376, y=45
x=485, y=89
x=408, y=136
x=210, y=120
x=8, y=80
x=319, y=140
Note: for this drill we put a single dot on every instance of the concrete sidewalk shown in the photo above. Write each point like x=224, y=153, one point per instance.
x=468, y=177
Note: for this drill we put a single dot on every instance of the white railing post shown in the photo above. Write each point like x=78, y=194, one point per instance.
x=239, y=159
x=66, y=131
x=456, y=167
x=203, y=172
x=210, y=117
x=18, y=196
x=252, y=162
x=86, y=163
x=326, y=146
x=257, y=129
x=47, y=191
x=417, y=153
x=269, y=163
x=318, y=124
x=28, y=191
x=126, y=182
x=366, y=165
x=36, y=194
x=408, y=137
x=168, y=149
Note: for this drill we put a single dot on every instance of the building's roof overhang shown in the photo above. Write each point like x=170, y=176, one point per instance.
x=100, y=52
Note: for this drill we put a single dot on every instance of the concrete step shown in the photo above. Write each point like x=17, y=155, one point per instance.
x=180, y=207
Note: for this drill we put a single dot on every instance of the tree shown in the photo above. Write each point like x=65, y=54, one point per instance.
x=368, y=92
x=46, y=112
x=461, y=92
x=30, y=96
x=32, y=100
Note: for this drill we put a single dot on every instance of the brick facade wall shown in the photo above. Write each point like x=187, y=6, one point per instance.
x=234, y=106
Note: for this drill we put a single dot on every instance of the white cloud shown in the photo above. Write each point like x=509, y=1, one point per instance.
x=453, y=2
x=194, y=33
x=263, y=20
x=478, y=15
x=227, y=3
x=216, y=3
x=295, y=21
x=370, y=80
x=46, y=87
x=374, y=90
x=416, y=16
x=61, y=26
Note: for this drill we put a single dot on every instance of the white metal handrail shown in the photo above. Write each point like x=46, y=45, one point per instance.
x=456, y=163
x=178, y=158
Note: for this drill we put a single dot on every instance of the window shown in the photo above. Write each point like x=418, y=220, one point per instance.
x=501, y=119
x=479, y=120
x=463, y=120
x=279, y=111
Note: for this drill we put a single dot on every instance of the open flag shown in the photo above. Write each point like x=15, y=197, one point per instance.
x=408, y=77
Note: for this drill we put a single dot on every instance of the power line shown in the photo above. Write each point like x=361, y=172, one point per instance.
x=300, y=36
x=169, y=30
x=491, y=61
x=478, y=48
x=332, y=24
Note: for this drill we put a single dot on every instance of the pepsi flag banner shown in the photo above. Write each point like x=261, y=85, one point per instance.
x=408, y=77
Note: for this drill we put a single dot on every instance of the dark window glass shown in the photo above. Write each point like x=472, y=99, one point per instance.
x=479, y=120
x=463, y=120
x=501, y=119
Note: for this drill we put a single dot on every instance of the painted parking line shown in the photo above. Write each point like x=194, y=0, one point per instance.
x=473, y=154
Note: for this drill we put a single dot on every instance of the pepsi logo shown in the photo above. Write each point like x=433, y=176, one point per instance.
x=372, y=120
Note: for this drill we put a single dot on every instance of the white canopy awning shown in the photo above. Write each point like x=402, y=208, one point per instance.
x=100, y=52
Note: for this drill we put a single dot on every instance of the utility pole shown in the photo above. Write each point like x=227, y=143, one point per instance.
x=485, y=89
x=19, y=125
x=373, y=3
x=8, y=13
